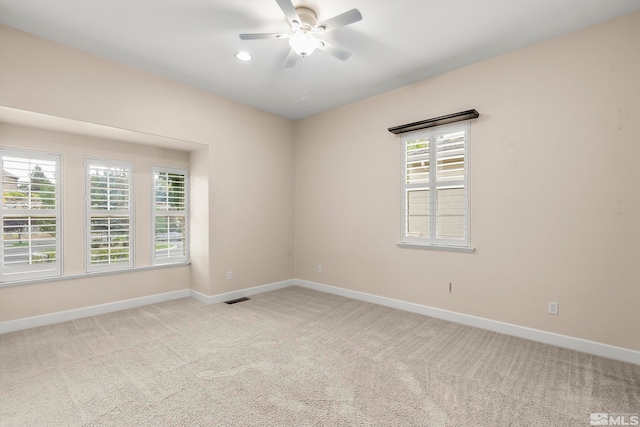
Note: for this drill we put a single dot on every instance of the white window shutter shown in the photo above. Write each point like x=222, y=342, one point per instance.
x=435, y=186
x=451, y=187
x=109, y=215
x=31, y=237
x=170, y=215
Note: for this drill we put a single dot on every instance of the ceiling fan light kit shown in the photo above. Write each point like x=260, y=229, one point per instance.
x=303, y=40
x=304, y=43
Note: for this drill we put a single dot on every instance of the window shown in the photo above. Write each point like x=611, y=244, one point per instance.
x=30, y=215
x=109, y=213
x=436, y=186
x=170, y=215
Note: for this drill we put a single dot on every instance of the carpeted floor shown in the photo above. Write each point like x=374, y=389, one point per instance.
x=296, y=357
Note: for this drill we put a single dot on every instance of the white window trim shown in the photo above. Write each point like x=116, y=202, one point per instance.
x=432, y=242
x=89, y=268
x=57, y=270
x=185, y=213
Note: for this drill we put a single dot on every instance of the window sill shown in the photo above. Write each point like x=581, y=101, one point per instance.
x=89, y=275
x=436, y=248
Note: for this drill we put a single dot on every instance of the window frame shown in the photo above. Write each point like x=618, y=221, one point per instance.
x=33, y=273
x=432, y=242
x=90, y=213
x=168, y=213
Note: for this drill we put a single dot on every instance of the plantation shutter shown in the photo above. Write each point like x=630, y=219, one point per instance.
x=436, y=208
x=417, y=169
x=450, y=186
x=30, y=215
x=110, y=234
x=170, y=215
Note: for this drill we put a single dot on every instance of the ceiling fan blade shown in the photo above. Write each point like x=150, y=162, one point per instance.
x=342, y=20
x=338, y=52
x=291, y=60
x=289, y=10
x=264, y=36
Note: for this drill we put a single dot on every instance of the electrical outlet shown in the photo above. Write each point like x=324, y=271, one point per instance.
x=228, y=275
x=319, y=269
x=553, y=307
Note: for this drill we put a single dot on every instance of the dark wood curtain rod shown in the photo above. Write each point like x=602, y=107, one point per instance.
x=436, y=121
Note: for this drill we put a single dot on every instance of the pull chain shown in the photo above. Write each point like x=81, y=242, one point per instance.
x=304, y=74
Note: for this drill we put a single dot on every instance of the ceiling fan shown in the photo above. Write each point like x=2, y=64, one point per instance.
x=304, y=30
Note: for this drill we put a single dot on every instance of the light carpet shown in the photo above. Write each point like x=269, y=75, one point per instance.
x=297, y=357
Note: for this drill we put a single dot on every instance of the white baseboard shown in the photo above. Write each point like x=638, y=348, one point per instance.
x=214, y=299
x=592, y=347
x=63, y=316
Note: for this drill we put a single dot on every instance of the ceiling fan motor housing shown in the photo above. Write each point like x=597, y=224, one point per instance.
x=308, y=18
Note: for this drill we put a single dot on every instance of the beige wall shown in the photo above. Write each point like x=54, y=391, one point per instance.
x=241, y=162
x=555, y=189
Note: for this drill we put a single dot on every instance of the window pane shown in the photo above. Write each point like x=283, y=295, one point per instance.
x=29, y=243
x=170, y=236
x=110, y=241
x=451, y=213
x=109, y=188
x=28, y=183
x=417, y=213
x=450, y=156
x=417, y=161
x=169, y=191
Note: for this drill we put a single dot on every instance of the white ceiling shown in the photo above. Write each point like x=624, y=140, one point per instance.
x=396, y=43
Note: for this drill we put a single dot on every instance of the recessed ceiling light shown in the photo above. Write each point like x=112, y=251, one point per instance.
x=243, y=56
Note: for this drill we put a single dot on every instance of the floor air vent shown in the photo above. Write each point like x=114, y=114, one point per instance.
x=233, y=301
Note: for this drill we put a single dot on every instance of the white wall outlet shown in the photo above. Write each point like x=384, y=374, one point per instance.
x=228, y=275
x=319, y=269
x=553, y=307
